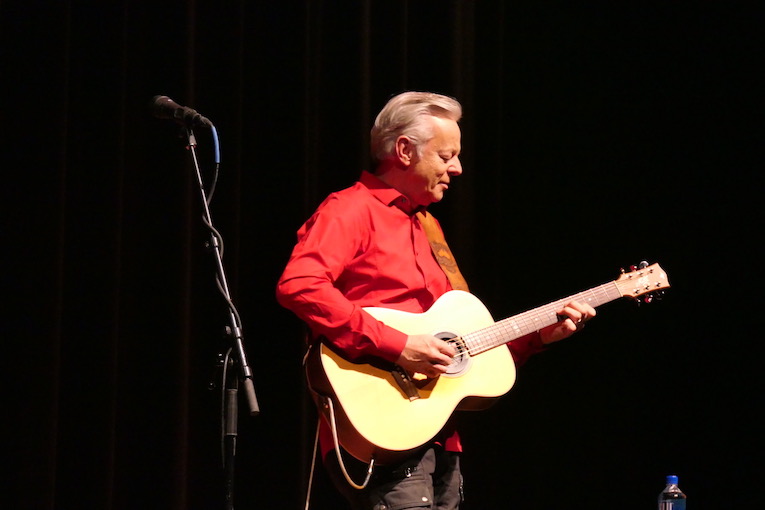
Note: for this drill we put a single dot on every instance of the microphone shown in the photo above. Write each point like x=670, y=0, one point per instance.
x=163, y=107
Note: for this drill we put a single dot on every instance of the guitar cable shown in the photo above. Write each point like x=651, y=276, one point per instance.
x=333, y=426
x=313, y=466
x=315, y=455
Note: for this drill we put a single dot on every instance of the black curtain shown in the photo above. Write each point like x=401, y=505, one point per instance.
x=594, y=136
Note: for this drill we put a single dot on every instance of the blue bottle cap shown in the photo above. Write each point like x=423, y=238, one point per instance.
x=671, y=479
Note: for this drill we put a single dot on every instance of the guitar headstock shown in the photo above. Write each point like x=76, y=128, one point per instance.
x=643, y=281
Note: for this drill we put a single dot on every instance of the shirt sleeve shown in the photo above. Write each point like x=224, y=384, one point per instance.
x=524, y=347
x=327, y=243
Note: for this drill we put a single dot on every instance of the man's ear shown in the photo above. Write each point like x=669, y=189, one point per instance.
x=404, y=150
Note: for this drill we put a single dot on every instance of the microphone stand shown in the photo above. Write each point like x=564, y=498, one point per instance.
x=235, y=331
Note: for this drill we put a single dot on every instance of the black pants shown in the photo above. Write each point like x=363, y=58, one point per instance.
x=430, y=479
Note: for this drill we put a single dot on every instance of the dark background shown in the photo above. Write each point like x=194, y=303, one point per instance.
x=594, y=137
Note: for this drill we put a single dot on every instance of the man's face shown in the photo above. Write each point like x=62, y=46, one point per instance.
x=430, y=172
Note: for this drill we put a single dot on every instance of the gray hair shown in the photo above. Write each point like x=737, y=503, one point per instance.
x=405, y=115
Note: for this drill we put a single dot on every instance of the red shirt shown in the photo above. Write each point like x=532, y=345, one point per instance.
x=364, y=247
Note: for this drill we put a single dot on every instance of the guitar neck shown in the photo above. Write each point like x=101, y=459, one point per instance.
x=522, y=324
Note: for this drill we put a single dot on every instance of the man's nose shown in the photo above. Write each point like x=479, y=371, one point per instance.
x=456, y=168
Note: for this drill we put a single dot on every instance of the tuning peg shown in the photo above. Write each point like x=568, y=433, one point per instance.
x=656, y=295
x=643, y=264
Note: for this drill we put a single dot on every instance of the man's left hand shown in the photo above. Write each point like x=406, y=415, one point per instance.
x=574, y=316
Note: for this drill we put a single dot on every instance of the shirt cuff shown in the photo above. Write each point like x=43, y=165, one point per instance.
x=393, y=346
x=524, y=347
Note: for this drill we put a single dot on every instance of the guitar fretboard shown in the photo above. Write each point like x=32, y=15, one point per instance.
x=522, y=324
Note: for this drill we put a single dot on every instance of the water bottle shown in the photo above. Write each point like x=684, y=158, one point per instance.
x=671, y=498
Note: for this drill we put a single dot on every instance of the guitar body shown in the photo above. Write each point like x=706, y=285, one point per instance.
x=375, y=416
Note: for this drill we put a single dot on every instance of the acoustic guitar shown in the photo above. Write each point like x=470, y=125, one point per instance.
x=381, y=412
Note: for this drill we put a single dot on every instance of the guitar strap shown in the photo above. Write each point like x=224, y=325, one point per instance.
x=441, y=250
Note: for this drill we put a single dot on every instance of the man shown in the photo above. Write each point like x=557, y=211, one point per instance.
x=367, y=246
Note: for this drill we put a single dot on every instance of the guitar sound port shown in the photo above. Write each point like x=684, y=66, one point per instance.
x=461, y=359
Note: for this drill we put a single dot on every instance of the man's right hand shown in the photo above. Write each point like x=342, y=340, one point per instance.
x=427, y=355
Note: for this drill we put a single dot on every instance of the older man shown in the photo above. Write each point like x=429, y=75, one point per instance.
x=373, y=245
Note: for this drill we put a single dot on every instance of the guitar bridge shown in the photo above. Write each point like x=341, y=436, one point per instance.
x=405, y=382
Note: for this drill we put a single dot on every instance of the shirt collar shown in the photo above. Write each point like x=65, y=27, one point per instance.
x=386, y=194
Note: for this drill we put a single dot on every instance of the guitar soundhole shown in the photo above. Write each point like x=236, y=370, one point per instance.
x=461, y=359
